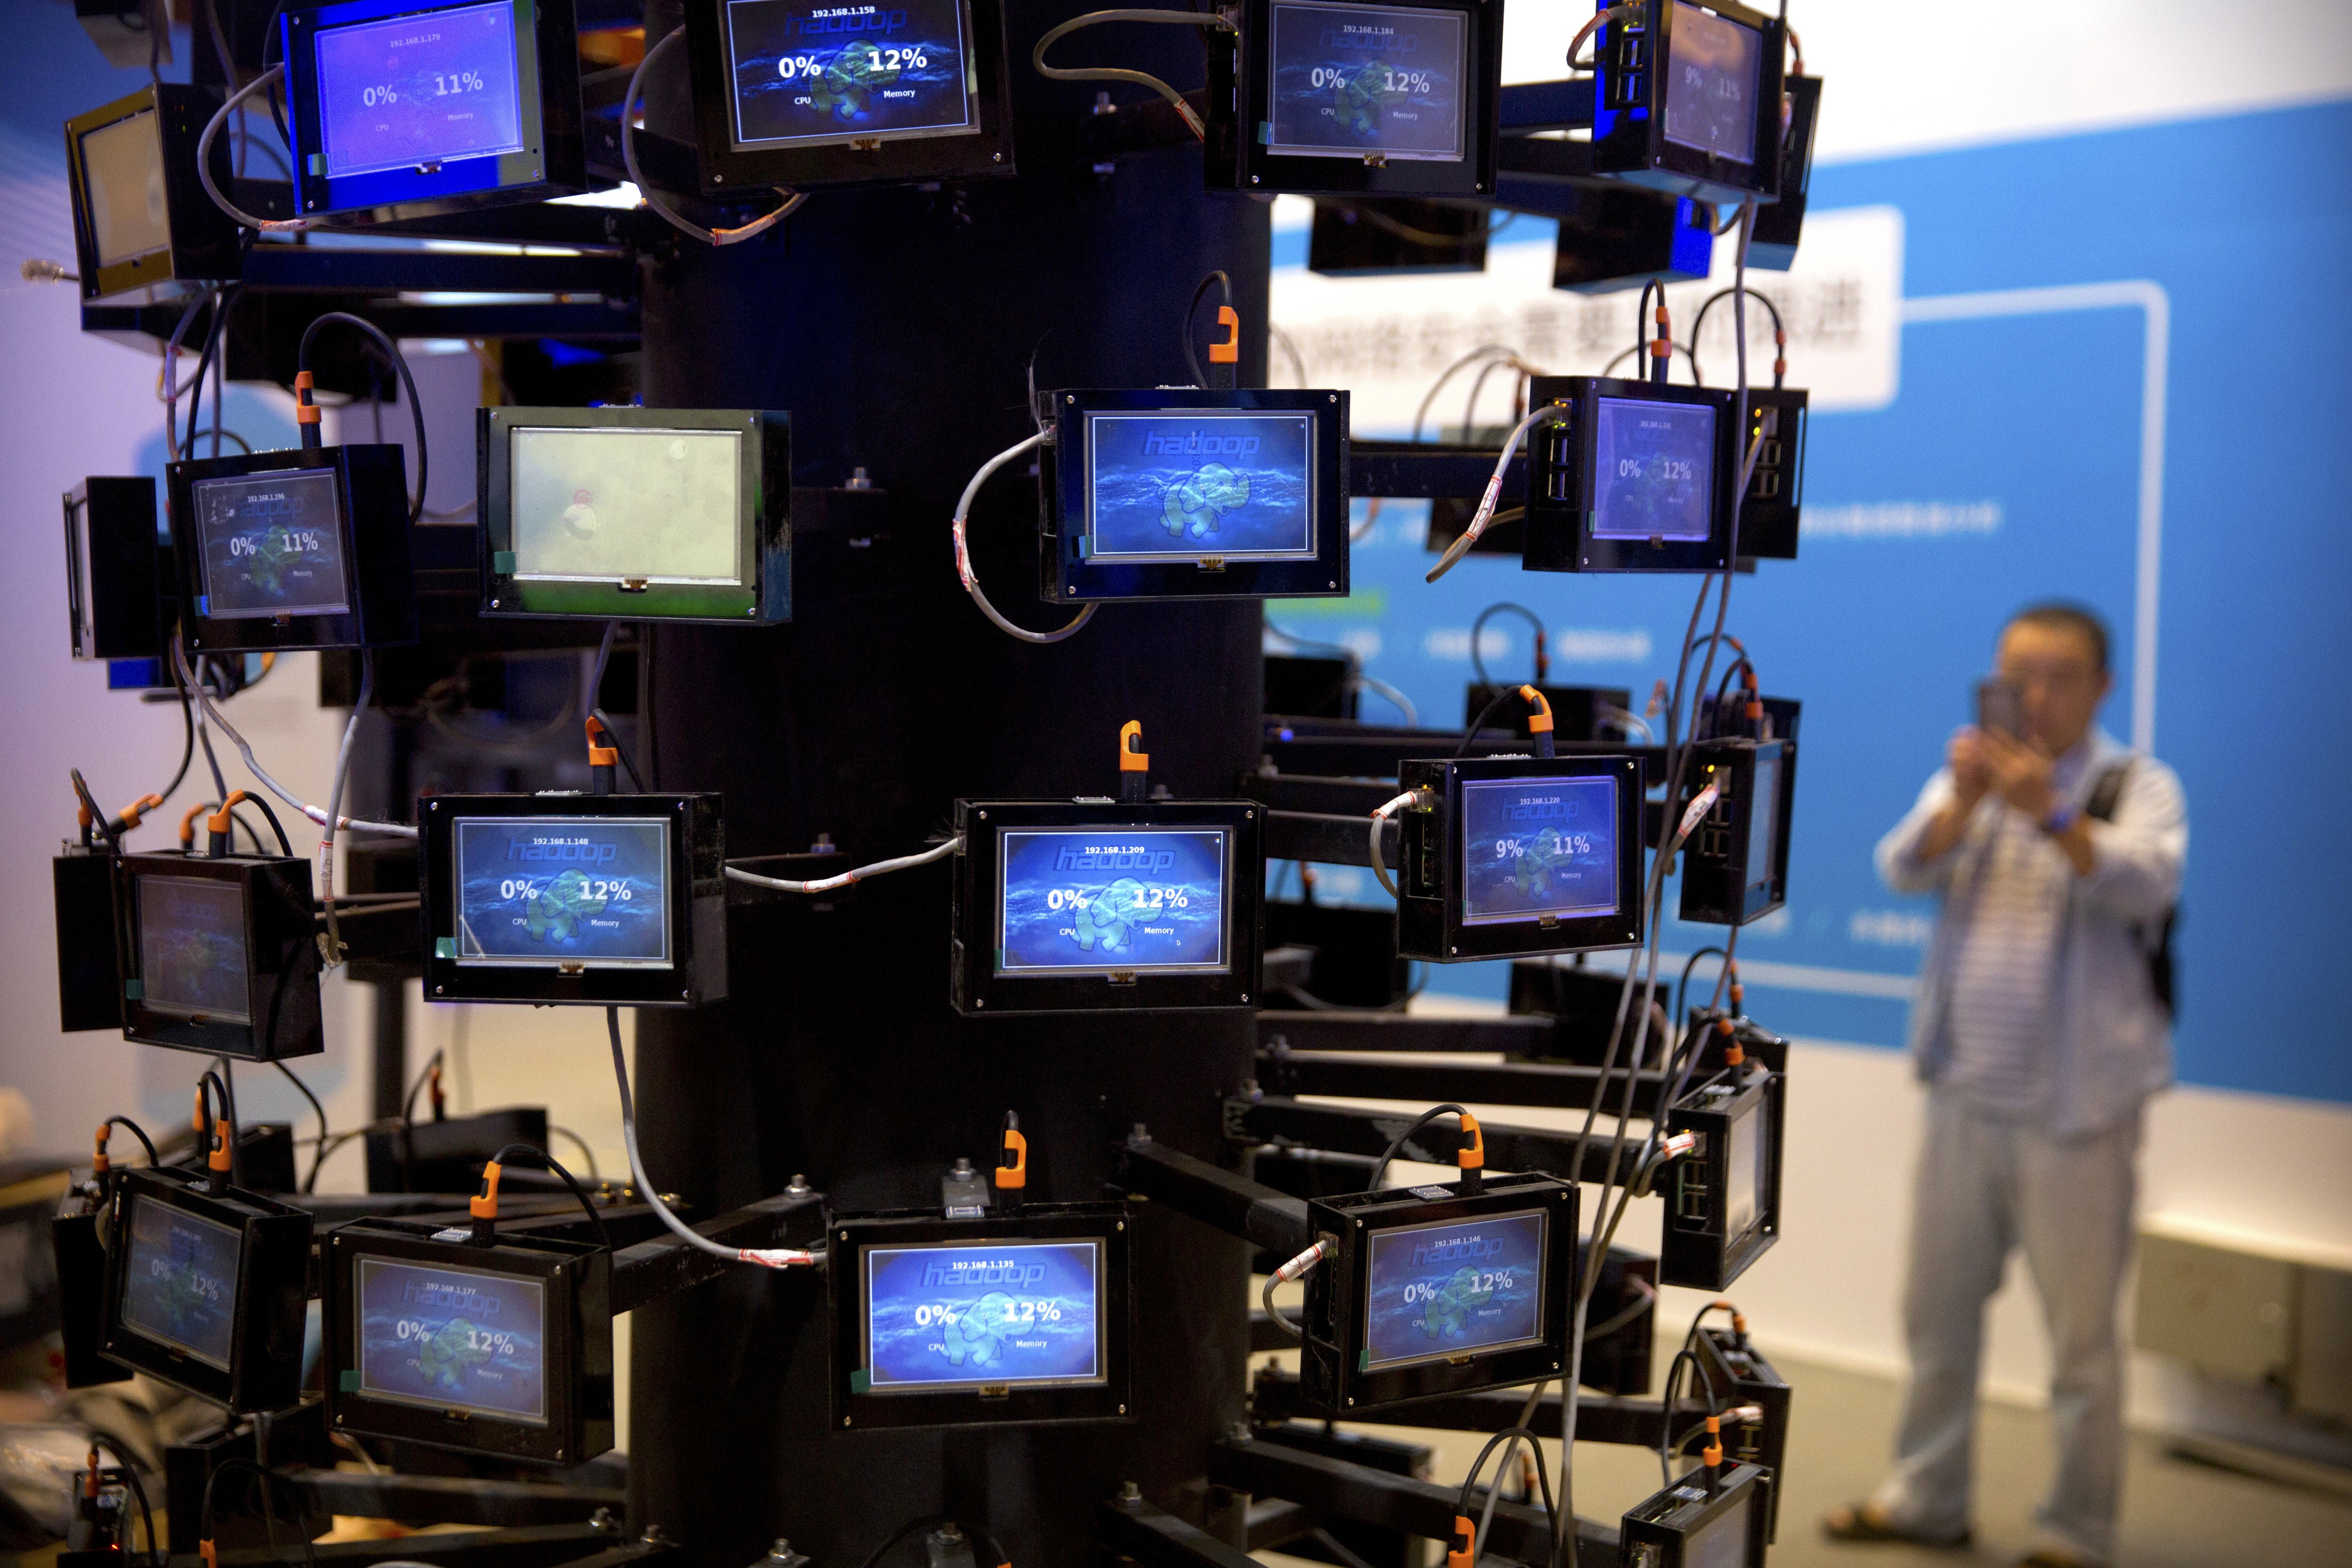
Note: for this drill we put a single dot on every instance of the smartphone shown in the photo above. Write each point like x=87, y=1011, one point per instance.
x=2000, y=705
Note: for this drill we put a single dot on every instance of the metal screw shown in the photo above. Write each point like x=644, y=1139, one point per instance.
x=996, y=157
x=1331, y=584
x=686, y=996
x=1352, y=1404
x=983, y=816
x=494, y=603
x=844, y=1421
x=1121, y=1225
x=438, y=990
x=1244, y=995
x=1253, y=181
x=979, y=1002
x=1122, y=1410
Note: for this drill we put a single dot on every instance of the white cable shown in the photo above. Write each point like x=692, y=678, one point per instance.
x=1380, y=817
x=963, y=551
x=1486, y=512
x=1295, y=1268
x=1694, y=813
x=245, y=749
x=827, y=884
x=1403, y=703
x=204, y=160
x=1185, y=110
x=765, y=1256
x=629, y=156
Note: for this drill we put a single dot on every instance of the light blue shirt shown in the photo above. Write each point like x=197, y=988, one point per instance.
x=2101, y=1042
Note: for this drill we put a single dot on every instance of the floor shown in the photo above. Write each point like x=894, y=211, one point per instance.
x=2177, y=1513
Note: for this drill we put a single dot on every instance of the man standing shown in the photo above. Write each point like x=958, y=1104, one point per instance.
x=2042, y=1025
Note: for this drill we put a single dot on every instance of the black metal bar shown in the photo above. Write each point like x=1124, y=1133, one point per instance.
x=1470, y=1083
x=1275, y=1521
x=1424, y=470
x=1541, y=158
x=614, y=318
x=1329, y=841
x=1599, y=1418
x=1217, y=1196
x=1276, y=1119
x=1531, y=106
x=1133, y=1528
x=536, y=1546
x=1524, y=1034
x=1333, y=797
x=534, y=223
x=1339, y=1490
x=652, y=1270
x=334, y=270
x=452, y=1499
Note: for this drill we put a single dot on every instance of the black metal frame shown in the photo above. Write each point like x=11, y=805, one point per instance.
x=1695, y=1247
x=575, y=1338
x=1236, y=159
x=1430, y=874
x=1067, y=574
x=372, y=528
x=976, y=988
x=764, y=541
x=1772, y=242
x=857, y=1408
x=730, y=169
x=1561, y=474
x=1628, y=121
x=697, y=906
x=1769, y=511
x=554, y=161
x=114, y=569
x=273, y=1292
x=1656, y=1532
x=281, y=970
x=1334, y=1368
x=203, y=247
x=1716, y=889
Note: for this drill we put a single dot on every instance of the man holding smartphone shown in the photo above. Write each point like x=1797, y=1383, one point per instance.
x=2042, y=1024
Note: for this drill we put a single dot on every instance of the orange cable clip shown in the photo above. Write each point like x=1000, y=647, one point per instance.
x=1230, y=350
x=216, y=1151
x=1013, y=1165
x=219, y=822
x=138, y=808
x=188, y=824
x=1713, y=1453
x=305, y=411
x=599, y=755
x=1466, y=1554
x=1132, y=757
x=1472, y=1155
x=485, y=1203
x=99, y=1165
x=1539, y=715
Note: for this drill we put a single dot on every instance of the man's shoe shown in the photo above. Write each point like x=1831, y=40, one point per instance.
x=1866, y=1521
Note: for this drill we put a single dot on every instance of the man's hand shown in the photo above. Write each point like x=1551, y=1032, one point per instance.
x=1971, y=768
x=2020, y=773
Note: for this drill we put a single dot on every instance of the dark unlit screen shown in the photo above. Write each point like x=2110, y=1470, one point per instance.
x=124, y=164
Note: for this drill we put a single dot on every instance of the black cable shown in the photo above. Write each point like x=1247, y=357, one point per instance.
x=928, y=1521
x=1502, y=695
x=284, y=846
x=408, y=1106
x=1192, y=358
x=268, y=1509
x=1667, y=1400
x=603, y=1236
x=136, y=1132
x=138, y=1490
x=188, y=723
x=1478, y=662
x=1681, y=987
x=113, y=840
x=1647, y=1298
x=215, y=339
x=1779, y=331
x=1425, y=1117
x=319, y=1158
x=407, y=383
x=1543, y=1475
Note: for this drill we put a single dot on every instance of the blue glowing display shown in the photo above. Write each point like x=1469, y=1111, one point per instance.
x=1466, y=1287
x=1653, y=470
x=272, y=545
x=192, y=957
x=1537, y=846
x=1714, y=68
x=1181, y=483
x=1356, y=80
x=957, y=1317
x=179, y=1281
x=1088, y=900
x=428, y=87
x=829, y=74
x=534, y=891
x=453, y=1339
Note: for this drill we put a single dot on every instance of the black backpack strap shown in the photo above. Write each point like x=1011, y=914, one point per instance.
x=2106, y=795
x=2107, y=791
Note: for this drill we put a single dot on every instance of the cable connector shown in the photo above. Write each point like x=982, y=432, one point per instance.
x=137, y=809
x=216, y=825
x=1380, y=814
x=1712, y=1454
x=484, y=1206
x=1471, y=1157
x=219, y=1158
x=603, y=757
x=1662, y=347
x=98, y=1163
x=1734, y=1053
x=1010, y=1176
x=435, y=1092
x=1694, y=813
x=1462, y=1550
x=1134, y=764
x=1230, y=350
x=188, y=826
x=1540, y=722
x=1298, y=1265
x=307, y=414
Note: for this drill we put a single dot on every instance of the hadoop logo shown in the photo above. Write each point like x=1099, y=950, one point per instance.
x=441, y=1293
x=1456, y=1250
x=1005, y=1272
x=1093, y=860
x=563, y=851
x=1200, y=444
x=850, y=19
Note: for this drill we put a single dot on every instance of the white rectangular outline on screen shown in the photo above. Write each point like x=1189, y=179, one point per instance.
x=668, y=959
x=89, y=183
x=1460, y=22
x=514, y=477
x=1098, y=1377
x=326, y=123
x=1746, y=158
x=1223, y=963
x=1371, y=1266
x=237, y=1279
x=1187, y=554
x=1707, y=473
x=969, y=125
x=1530, y=917
x=154, y=1004
x=482, y=1412
x=196, y=492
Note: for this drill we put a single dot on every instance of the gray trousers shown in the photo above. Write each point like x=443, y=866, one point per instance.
x=1985, y=1187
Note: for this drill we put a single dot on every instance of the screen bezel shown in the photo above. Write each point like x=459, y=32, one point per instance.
x=979, y=990
x=1068, y=570
x=1603, y=406
x=1560, y=536
x=359, y=1267
x=1463, y=149
x=730, y=169
x=1225, y=869
x=281, y=986
x=1372, y=1240
x=320, y=36
x=666, y=962
x=140, y=883
x=342, y=509
x=857, y=1405
x=866, y=1257
x=1260, y=170
x=740, y=543
x=968, y=126
x=236, y=1283
x=1665, y=134
x=1628, y=121
x=203, y=242
x=1192, y=558
x=1533, y=917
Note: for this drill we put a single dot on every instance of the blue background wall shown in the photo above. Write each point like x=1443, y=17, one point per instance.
x=2245, y=224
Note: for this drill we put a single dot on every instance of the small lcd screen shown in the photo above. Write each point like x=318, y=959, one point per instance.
x=609, y=505
x=1722, y=1541
x=1714, y=65
x=179, y=1282
x=1352, y=81
x=1654, y=467
x=192, y=947
x=453, y=1339
x=1178, y=484
x=1763, y=822
x=272, y=545
x=123, y=168
x=1537, y=846
x=1744, y=1153
x=1464, y=1287
x=941, y=1317
x=815, y=74
x=428, y=87
x=1091, y=900
x=542, y=891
